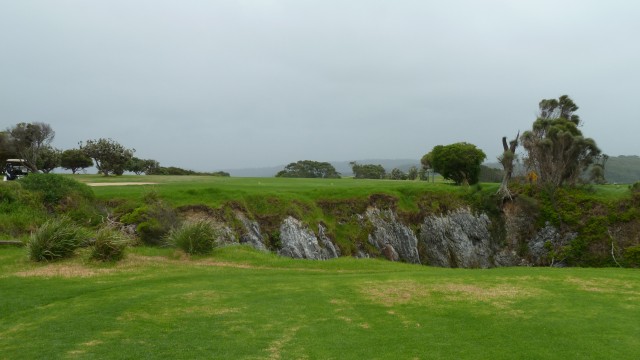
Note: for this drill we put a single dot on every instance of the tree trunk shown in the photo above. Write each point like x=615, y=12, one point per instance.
x=507, y=164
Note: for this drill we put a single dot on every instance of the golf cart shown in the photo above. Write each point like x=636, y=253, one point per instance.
x=15, y=169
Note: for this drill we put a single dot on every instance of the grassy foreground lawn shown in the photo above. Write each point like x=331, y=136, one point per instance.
x=241, y=304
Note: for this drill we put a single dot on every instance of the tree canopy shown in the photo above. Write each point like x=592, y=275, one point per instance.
x=459, y=162
x=109, y=156
x=139, y=166
x=367, y=171
x=309, y=169
x=49, y=159
x=28, y=140
x=556, y=149
x=74, y=160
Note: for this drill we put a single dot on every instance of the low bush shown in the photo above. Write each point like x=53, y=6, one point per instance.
x=56, y=239
x=109, y=245
x=54, y=188
x=21, y=211
x=632, y=256
x=63, y=195
x=196, y=237
x=153, y=220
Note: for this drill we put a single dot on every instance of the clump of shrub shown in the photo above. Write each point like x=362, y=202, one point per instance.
x=21, y=211
x=194, y=237
x=153, y=220
x=63, y=195
x=56, y=239
x=55, y=188
x=109, y=244
x=632, y=256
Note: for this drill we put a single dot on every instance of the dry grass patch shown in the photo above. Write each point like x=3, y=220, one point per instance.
x=604, y=286
x=275, y=348
x=19, y=328
x=395, y=292
x=209, y=262
x=64, y=271
x=404, y=292
x=170, y=314
x=199, y=295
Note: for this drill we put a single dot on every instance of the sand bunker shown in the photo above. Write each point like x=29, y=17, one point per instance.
x=121, y=184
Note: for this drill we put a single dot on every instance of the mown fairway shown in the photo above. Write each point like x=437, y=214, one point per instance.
x=213, y=191
x=186, y=190
x=241, y=304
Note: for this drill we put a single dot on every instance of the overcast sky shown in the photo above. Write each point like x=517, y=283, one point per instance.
x=209, y=85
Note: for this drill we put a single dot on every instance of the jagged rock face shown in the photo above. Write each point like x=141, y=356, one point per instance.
x=395, y=240
x=331, y=250
x=301, y=243
x=226, y=236
x=548, y=238
x=252, y=234
x=458, y=239
x=518, y=224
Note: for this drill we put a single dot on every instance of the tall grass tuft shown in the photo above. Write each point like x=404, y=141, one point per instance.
x=109, y=244
x=56, y=239
x=195, y=237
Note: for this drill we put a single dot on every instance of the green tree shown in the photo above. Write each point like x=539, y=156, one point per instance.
x=556, y=149
x=367, y=171
x=459, y=162
x=6, y=147
x=413, y=173
x=74, y=160
x=49, y=159
x=397, y=174
x=597, y=170
x=28, y=140
x=309, y=169
x=109, y=156
x=139, y=166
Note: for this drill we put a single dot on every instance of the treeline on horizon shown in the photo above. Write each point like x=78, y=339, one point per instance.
x=555, y=154
x=32, y=142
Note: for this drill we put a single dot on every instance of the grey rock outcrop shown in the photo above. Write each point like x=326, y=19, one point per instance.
x=299, y=242
x=331, y=251
x=395, y=240
x=251, y=234
x=457, y=239
x=546, y=239
x=226, y=236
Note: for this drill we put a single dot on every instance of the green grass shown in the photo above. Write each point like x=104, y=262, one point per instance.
x=242, y=304
x=183, y=190
x=213, y=191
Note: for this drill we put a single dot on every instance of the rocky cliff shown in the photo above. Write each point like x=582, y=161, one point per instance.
x=459, y=238
x=453, y=235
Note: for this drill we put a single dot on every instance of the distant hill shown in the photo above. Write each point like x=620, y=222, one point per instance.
x=624, y=169
x=342, y=167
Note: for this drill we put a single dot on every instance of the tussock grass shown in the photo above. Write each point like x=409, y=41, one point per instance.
x=109, y=245
x=194, y=237
x=56, y=239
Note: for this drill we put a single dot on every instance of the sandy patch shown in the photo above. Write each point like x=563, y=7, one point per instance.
x=121, y=183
